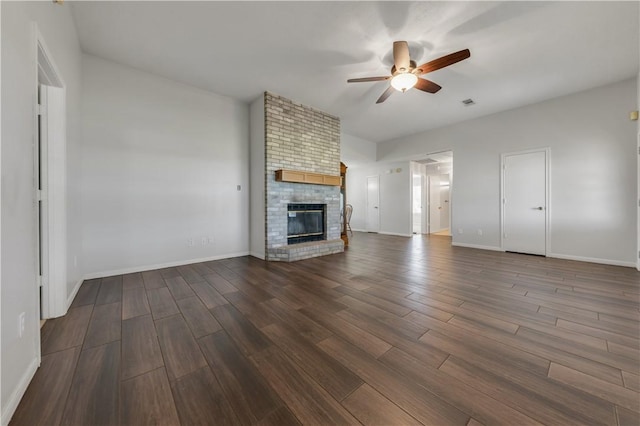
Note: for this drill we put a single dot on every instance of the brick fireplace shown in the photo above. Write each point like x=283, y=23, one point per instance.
x=306, y=223
x=295, y=137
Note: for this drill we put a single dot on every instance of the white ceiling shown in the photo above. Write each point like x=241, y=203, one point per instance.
x=521, y=52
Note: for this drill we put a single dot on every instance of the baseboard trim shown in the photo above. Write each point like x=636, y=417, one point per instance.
x=18, y=393
x=439, y=230
x=477, y=246
x=397, y=234
x=592, y=260
x=260, y=256
x=134, y=269
x=73, y=293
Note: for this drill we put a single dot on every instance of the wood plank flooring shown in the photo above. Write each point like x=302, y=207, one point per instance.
x=394, y=331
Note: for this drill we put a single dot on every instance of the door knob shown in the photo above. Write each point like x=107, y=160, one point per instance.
x=538, y=208
x=375, y=207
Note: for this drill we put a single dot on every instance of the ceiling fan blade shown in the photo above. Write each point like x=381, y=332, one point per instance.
x=362, y=80
x=427, y=85
x=385, y=95
x=401, y=58
x=442, y=62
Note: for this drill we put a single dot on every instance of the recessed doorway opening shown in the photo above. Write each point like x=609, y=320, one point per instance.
x=431, y=182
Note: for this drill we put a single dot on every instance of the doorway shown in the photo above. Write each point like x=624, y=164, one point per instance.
x=439, y=195
x=50, y=185
x=373, y=202
x=525, y=180
x=433, y=214
x=417, y=197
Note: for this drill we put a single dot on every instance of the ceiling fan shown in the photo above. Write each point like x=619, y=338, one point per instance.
x=404, y=72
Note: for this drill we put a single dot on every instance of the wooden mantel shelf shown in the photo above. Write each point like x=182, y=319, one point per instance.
x=306, y=177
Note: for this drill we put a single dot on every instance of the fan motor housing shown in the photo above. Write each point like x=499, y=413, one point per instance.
x=412, y=66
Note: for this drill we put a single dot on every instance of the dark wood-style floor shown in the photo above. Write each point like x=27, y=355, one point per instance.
x=395, y=331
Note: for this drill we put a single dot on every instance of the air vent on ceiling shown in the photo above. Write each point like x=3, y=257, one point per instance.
x=468, y=102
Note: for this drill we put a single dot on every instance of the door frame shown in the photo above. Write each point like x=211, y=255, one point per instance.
x=547, y=195
x=424, y=224
x=56, y=285
x=366, y=221
x=426, y=185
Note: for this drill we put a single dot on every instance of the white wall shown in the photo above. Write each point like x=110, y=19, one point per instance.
x=160, y=166
x=18, y=259
x=258, y=173
x=395, y=196
x=2, y=405
x=355, y=151
x=638, y=168
x=593, y=170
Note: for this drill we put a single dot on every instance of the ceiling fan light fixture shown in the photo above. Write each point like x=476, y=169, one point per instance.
x=404, y=81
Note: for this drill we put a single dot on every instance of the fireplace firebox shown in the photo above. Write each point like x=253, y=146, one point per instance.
x=306, y=222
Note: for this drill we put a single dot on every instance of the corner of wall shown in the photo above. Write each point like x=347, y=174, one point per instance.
x=257, y=213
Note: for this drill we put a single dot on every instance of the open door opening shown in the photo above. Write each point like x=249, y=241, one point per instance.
x=439, y=201
x=436, y=175
x=417, y=198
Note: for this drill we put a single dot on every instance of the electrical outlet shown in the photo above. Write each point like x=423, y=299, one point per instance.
x=190, y=242
x=479, y=231
x=21, y=324
x=460, y=231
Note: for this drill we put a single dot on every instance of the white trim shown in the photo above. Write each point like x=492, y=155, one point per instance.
x=592, y=260
x=18, y=392
x=547, y=210
x=51, y=65
x=55, y=216
x=477, y=246
x=260, y=256
x=397, y=234
x=73, y=293
x=451, y=194
x=412, y=165
x=2, y=411
x=134, y=269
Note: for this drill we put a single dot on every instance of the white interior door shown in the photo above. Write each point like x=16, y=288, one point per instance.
x=425, y=203
x=525, y=202
x=42, y=198
x=417, y=203
x=444, y=201
x=434, y=204
x=373, y=204
x=51, y=199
